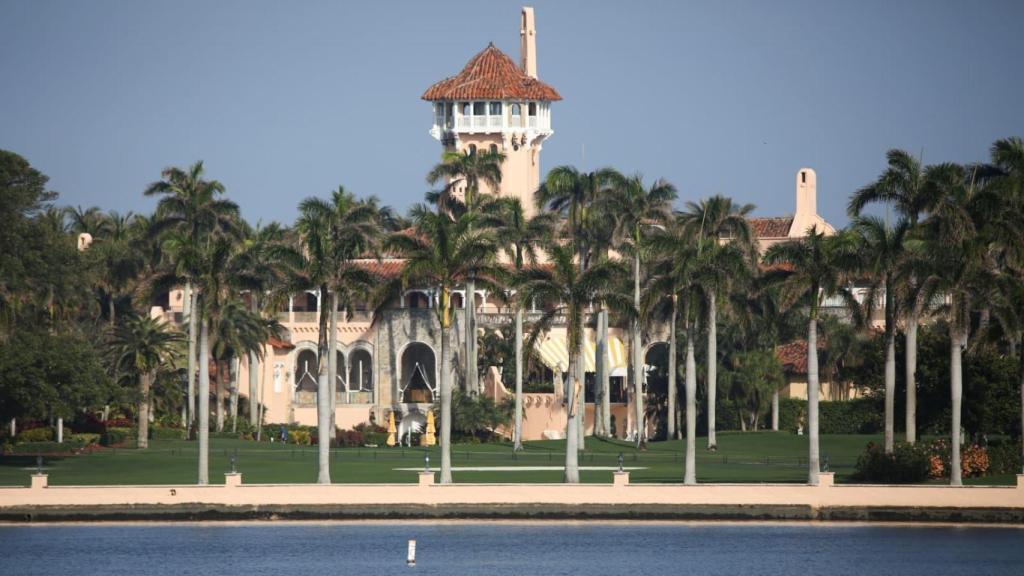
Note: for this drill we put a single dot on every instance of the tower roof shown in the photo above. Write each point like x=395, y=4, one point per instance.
x=491, y=75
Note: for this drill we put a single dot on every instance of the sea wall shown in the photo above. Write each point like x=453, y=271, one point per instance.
x=620, y=499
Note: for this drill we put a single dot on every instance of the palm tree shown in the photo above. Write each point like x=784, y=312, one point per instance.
x=519, y=238
x=808, y=271
x=882, y=249
x=353, y=232
x=580, y=197
x=440, y=254
x=562, y=281
x=465, y=173
x=902, y=185
x=718, y=218
x=674, y=274
x=142, y=346
x=237, y=332
x=959, y=231
x=192, y=206
x=639, y=209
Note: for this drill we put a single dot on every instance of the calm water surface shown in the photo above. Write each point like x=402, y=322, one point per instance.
x=592, y=549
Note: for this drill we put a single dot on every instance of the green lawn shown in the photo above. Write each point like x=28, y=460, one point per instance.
x=741, y=457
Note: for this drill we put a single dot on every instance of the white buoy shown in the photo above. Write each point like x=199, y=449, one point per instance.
x=411, y=558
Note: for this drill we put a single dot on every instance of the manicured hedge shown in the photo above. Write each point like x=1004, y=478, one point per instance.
x=86, y=439
x=67, y=447
x=908, y=464
x=156, y=433
x=860, y=416
x=116, y=436
x=35, y=435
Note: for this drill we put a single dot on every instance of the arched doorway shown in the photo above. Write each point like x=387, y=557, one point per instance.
x=656, y=385
x=341, y=378
x=360, y=376
x=418, y=377
x=306, y=373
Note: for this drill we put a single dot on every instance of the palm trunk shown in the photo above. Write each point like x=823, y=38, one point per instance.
x=690, y=472
x=254, y=381
x=572, y=407
x=332, y=363
x=517, y=432
x=957, y=338
x=323, y=399
x=604, y=382
x=890, y=391
x=672, y=370
x=600, y=371
x=143, y=428
x=775, y=410
x=233, y=371
x=221, y=381
x=446, y=399
x=812, y=399
x=712, y=368
x=193, y=298
x=110, y=310
x=581, y=443
x=204, y=401
x=1020, y=368
x=472, y=381
x=638, y=384
x=911, y=368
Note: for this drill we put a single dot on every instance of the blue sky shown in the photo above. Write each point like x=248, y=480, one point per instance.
x=284, y=100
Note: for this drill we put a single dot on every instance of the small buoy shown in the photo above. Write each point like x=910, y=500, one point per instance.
x=411, y=558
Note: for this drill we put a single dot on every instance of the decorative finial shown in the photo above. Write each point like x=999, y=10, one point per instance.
x=426, y=463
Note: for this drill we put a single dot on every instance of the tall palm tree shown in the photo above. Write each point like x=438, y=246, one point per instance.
x=194, y=207
x=882, y=249
x=142, y=346
x=580, y=197
x=809, y=270
x=959, y=231
x=353, y=232
x=440, y=254
x=519, y=239
x=562, y=281
x=464, y=172
x=902, y=185
x=237, y=332
x=639, y=210
x=719, y=218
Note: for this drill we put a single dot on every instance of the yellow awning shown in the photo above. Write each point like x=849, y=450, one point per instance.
x=553, y=353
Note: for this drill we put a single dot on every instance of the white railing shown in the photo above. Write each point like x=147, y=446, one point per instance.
x=494, y=121
x=465, y=122
x=479, y=121
x=532, y=122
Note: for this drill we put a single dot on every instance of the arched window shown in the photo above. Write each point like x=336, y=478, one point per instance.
x=340, y=378
x=464, y=107
x=417, y=300
x=494, y=148
x=532, y=109
x=457, y=301
x=306, y=374
x=517, y=110
x=417, y=378
x=360, y=372
x=471, y=150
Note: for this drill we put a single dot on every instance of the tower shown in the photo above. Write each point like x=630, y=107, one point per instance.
x=495, y=105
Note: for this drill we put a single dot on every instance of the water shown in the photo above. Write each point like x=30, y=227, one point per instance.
x=496, y=549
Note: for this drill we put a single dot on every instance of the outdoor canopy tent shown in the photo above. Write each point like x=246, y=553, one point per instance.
x=553, y=353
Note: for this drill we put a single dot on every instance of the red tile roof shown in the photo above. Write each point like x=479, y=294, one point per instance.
x=491, y=75
x=774, y=227
x=280, y=344
x=793, y=356
x=385, y=269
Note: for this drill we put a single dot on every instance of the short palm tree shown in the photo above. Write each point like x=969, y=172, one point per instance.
x=561, y=280
x=465, y=172
x=440, y=253
x=719, y=218
x=519, y=239
x=883, y=251
x=809, y=270
x=142, y=346
x=640, y=209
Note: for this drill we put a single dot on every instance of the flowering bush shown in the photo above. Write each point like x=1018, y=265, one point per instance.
x=907, y=464
x=973, y=461
x=350, y=438
x=936, y=468
x=301, y=437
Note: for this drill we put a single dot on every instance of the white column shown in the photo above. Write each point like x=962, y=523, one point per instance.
x=291, y=308
x=60, y=430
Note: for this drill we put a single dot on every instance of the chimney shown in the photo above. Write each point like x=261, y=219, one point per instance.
x=528, y=43
x=806, y=195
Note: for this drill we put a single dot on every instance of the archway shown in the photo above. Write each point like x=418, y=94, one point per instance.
x=340, y=377
x=360, y=376
x=418, y=375
x=306, y=373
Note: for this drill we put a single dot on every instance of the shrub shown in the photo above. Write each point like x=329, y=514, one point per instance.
x=68, y=447
x=860, y=416
x=375, y=438
x=118, y=436
x=301, y=437
x=34, y=435
x=792, y=414
x=159, y=433
x=87, y=439
x=1004, y=458
x=907, y=464
x=350, y=438
x=973, y=461
x=119, y=423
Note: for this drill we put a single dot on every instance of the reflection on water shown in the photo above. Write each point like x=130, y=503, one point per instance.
x=453, y=549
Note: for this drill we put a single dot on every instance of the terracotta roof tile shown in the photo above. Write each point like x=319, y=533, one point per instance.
x=280, y=344
x=491, y=75
x=385, y=269
x=793, y=356
x=774, y=227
